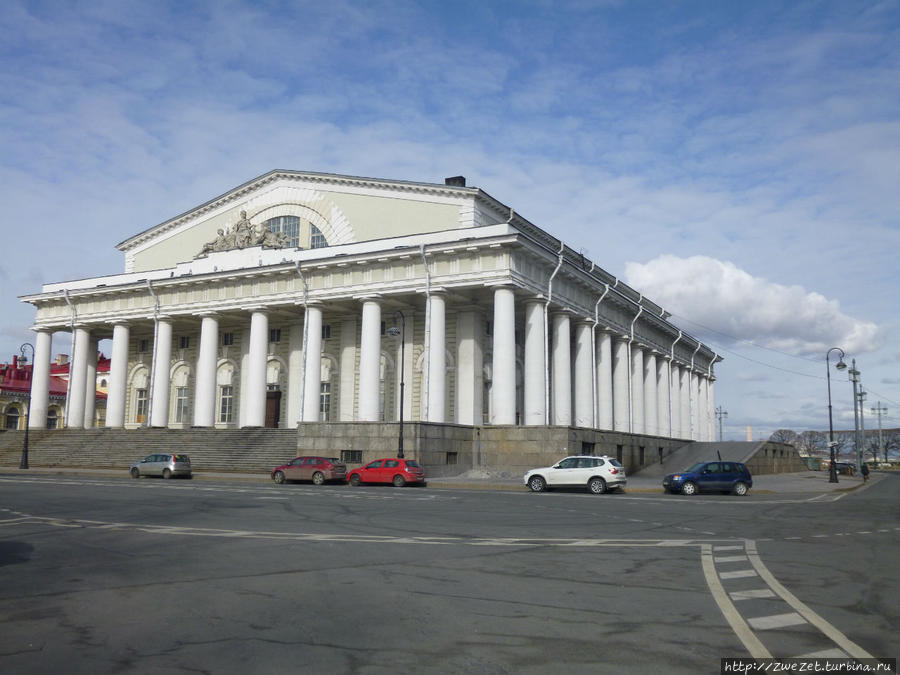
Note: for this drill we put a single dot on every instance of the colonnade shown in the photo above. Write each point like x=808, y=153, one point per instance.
x=573, y=372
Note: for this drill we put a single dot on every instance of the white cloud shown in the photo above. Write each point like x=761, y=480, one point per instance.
x=718, y=295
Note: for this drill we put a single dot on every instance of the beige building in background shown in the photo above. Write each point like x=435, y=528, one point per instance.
x=273, y=304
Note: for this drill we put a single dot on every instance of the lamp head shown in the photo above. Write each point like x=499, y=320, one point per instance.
x=393, y=331
x=840, y=365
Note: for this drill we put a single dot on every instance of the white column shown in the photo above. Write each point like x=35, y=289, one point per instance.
x=621, y=401
x=675, y=408
x=77, y=377
x=312, y=368
x=695, y=407
x=561, y=359
x=584, y=375
x=704, y=409
x=295, y=374
x=663, y=394
x=370, y=362
x=205, y=383
x=90, y=385
x=256, y=369
x=245, y=369
x=40, y=381
x=437, y=360
x=162, y=359
x=604, y=381
x=469, y=366
x=535, y=412
x=118, y=376
x=711, y=406
x=651, y=409
x=348, y=367
x=503, y=386
x=685, y=402
x=637, y=389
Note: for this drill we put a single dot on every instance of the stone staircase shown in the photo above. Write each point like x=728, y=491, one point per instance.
x=238, y=450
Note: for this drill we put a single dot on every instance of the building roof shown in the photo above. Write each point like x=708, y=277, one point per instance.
x=16, y=379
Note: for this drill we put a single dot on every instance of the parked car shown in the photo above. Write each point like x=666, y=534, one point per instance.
x=166, y=465
x=317, y=469
x=388, y=470
x=710, y=477
x=597, y=474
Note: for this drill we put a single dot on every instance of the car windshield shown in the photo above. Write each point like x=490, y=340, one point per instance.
x=182, y=458
x=616, y=463
x=695, y=467
x=411, y=462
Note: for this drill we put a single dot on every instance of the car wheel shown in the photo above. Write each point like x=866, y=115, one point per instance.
x=167, y=474
x=537, y=484
x=597, y=486
x=355, y=480
x=135, y=473
x=689, y=488
x=278, y=477
x=399, y=481
x=318, y=478
x=740, y=489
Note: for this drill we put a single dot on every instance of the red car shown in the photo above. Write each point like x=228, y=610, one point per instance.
x=316, y=469
x=388, y=470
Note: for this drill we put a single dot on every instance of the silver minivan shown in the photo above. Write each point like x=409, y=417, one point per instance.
x=166, y=465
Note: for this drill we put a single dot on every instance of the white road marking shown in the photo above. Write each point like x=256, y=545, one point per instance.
x=730, y=558
x=727, y=548
x=824, y=654
x=737, y=574
x=776, y=621
x=752, y=594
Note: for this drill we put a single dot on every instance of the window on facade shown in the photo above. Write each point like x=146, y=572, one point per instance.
x=52, y=419
x=325, y=402
x=316, y=238
x=102, y=383
x=12, y=418
x=227, y=339
x=351, y=456
x=619, y=453
x=452, y=458
x=144, y=346
x=326, y=332
x=226, y=404
x=641, y=455
x=181, y=404
x=141, y=403
x=184, y=342
x=587, y=448
x=287, y=225
x=275, y=335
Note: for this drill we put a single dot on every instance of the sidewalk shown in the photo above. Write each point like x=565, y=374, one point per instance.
x=807, y=482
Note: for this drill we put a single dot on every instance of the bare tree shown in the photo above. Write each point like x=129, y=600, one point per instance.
x=784, y=436
x=813, y=442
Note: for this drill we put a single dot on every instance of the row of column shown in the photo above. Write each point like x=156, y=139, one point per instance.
x=608, y=383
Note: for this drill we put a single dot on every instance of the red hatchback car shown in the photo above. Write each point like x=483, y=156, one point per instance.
x=388, y=470
x=316, y=469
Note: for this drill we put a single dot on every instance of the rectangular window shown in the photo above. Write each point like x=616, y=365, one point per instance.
x=184, y=342
x=641, y=455
x=275, y=335
x=144, y=346
x=587, y=448
x=351, y=456
x=181, y=404
x=141, y=402
x=227, y=339
x=452, y=458
x=383, y=327
x=325, y=402
x=326, y=332
x=226, y=403
x=619, y=453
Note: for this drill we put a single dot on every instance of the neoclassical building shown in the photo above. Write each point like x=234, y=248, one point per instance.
x=302, y=297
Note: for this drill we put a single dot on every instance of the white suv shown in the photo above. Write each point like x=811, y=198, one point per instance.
x=597, y=474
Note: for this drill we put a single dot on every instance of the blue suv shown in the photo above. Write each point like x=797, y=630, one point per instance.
x=710, y=477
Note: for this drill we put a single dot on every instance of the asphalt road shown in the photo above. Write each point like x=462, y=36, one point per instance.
x=106, y=575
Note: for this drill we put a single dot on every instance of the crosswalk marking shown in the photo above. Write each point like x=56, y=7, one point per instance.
x=776, y=621
x=729, y=558
x=737, y=574
x=752, y=594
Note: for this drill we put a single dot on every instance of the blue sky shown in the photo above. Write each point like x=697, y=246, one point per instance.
x=738, y=162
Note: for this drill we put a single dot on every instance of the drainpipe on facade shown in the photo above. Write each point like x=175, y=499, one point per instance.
x=596, y=412
x=671, y=384
x=426, y=368
x=153, y=358
x=559, y=263
x=630, y=375
x=72, y=352
x=304, y=339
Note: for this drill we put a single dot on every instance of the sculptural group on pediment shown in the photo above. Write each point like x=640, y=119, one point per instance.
x=244, y=234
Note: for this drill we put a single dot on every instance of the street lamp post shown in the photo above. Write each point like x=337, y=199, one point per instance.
x=840, y=365
x=393, y=330
x=23, y=464
x=854, y=378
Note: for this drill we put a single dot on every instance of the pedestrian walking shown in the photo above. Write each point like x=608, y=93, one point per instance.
x=865, y=472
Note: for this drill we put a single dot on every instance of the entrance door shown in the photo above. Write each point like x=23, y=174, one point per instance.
x=273, y=409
